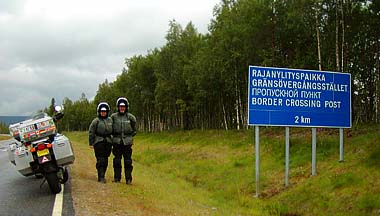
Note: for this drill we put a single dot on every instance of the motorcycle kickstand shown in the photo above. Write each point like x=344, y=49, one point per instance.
x=42, y=182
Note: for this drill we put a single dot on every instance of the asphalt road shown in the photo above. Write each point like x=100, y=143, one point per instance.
x=21, y=195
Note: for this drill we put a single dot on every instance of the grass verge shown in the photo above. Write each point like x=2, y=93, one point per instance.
x=4, y=137
x=212, y=173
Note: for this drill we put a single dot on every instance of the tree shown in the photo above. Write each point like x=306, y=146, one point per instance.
x=51, y=109
x=200, y=81
x=4, y=128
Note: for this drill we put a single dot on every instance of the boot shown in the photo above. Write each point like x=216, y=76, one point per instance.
x=101, y=173
x=117, y=173
x=128, y=181
x=128, y=175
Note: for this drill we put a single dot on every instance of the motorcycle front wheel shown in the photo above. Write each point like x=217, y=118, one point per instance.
x=53, y=181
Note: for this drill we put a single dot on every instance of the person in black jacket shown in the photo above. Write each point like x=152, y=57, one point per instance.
x=99, y=137
x=124, y=129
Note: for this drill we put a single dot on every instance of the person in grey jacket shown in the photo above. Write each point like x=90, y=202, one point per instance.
x=124, y=129
x=99, y=137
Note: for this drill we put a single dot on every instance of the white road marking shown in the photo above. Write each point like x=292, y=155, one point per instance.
x=58, y=203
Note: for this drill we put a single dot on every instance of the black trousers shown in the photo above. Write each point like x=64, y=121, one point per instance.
x=122, y=151
x=102, y=152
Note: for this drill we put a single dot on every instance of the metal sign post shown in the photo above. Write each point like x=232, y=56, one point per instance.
x=257, y=152
x=341, y=134
x=314, y=151
x=286, y=156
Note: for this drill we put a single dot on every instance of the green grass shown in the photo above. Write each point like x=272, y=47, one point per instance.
x=4, y=137
x=215, y=171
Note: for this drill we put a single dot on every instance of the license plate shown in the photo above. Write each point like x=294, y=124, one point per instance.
x=42, y=152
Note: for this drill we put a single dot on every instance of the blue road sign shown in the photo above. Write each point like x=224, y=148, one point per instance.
x=301, y=98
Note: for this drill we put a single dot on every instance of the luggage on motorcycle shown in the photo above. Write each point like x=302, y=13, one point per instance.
x=14, y=132
x=11, y=152
x=39, y=127
x=61, y=147
x=63, y=150
x=23, y=158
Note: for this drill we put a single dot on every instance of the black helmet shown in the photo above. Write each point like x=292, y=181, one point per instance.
x=122, y=101
x=103, y=106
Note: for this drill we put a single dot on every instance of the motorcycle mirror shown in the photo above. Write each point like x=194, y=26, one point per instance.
x=58, y=113
x=58, y=108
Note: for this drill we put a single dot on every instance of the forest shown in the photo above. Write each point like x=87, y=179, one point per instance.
x=199, y=81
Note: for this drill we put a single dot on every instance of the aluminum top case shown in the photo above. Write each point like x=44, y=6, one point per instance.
x=34, y=129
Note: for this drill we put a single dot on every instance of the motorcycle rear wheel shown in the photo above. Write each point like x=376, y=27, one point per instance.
x=53, y=181
x=65, y=175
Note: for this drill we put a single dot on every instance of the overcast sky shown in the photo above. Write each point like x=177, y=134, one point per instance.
x=63, y=48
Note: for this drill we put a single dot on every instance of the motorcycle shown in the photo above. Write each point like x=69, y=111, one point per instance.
x=38, y=149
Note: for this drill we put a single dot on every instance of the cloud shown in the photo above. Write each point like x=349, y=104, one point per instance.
x=54, y=48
